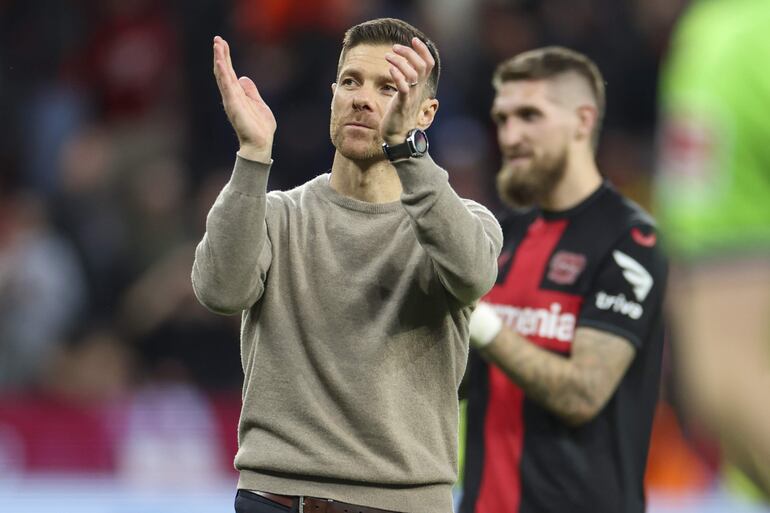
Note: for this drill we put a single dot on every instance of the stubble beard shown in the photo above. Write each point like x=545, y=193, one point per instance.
x=525, y=186
x=356, y=150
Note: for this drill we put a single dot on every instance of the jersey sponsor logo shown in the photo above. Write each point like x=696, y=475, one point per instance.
x=635, y=274
x=565, y=267
x=541, y=322
x=640, y=238
x=619, y=304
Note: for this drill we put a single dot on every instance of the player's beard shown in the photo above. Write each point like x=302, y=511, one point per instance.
x=367, y=146
x=531, y=183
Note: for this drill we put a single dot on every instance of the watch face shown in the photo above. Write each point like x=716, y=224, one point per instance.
x=420, y=141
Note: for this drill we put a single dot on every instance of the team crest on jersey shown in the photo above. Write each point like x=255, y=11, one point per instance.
x=565, y=267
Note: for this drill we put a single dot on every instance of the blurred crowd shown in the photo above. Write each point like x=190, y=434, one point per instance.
x=115, y=146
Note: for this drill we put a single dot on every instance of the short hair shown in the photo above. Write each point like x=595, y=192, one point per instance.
x=390, y=31
x=552, y=61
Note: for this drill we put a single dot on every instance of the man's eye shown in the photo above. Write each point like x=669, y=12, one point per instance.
x=347, y=81
x=390, y=88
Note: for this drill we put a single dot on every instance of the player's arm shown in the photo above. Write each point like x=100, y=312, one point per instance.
x=576, y=387
x=721, y=347
x=615, y=320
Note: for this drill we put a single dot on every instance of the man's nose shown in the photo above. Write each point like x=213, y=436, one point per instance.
x=509, y=133
x=362, y=100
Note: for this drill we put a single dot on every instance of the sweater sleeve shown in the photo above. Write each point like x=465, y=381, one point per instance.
x=461, y=236
x=232, y=259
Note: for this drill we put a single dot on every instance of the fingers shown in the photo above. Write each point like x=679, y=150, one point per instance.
x=423, y=51
x=227, y=56
x=401, y=68
x=401, y=82
x=410, y=56
x=231, y=87
x=220, y=73
x=417, y=61
x=418, y=58
x=250, y=88
x=223, y=68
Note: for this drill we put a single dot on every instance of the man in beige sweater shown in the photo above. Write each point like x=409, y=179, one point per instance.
x=355, y=291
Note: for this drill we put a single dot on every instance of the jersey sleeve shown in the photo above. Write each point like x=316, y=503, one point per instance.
x=626, y=296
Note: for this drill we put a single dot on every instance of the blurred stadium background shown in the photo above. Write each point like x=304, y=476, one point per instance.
x=118, y=392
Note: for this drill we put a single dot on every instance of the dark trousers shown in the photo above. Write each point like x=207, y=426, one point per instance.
x=247, y=502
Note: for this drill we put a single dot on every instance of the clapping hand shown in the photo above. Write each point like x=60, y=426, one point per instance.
x=248, y=113
x=410, y=69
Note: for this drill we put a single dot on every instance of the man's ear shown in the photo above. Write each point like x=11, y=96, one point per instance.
x=334, y=87
x=427, y=113
x=587, y=115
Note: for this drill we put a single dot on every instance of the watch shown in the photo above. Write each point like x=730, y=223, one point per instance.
x=415, y=146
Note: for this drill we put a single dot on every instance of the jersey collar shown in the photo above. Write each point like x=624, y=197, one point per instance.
x=550, y=215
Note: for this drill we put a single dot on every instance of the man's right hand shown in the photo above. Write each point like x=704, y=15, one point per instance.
x=248, y=113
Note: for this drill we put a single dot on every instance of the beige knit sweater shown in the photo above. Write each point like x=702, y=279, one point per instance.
x=354, y=331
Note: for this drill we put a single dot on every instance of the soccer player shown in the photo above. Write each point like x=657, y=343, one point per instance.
x=713, y=195
x=355, y=291
x=563, y=385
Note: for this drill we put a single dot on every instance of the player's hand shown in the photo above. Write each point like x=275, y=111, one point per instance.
x=484, y=326
x=248, y=113
x=410, y=69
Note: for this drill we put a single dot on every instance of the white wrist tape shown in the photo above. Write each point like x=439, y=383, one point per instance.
x=485, y=325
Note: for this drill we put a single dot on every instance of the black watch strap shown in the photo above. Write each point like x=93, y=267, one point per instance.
x=415, y=146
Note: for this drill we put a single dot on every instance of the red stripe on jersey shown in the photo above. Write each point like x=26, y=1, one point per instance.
x=547, y=318
x=500, y=489
x=532, y=255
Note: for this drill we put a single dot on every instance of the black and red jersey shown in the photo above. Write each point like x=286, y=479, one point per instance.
x=597, y=265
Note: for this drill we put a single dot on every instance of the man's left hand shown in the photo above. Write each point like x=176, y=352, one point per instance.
x=410, y=69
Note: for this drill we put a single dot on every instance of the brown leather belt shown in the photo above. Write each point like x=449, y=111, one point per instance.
x=315, y=505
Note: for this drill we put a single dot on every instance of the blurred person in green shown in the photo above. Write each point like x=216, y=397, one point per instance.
x=713, y=195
